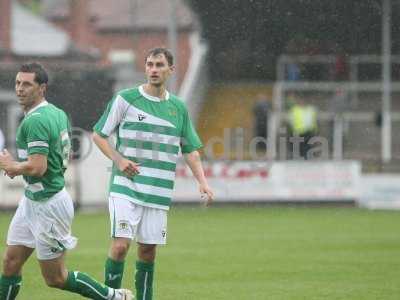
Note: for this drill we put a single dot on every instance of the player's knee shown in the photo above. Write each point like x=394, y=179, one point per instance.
x=11, y=265
x=57, y=282
x=147, y=252
x=119, y=250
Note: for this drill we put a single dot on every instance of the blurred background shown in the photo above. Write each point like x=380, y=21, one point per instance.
x=295, y=101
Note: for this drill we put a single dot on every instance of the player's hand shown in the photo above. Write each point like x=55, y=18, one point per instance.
x=6, y=160
x=10, y=174
x=206, y=194
x=6, y=163
x=128, y=167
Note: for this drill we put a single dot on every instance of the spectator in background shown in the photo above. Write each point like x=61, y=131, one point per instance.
x=2, y=140
x=293, y=69
x=303, y=125
x=339, y=70
x=261, y=110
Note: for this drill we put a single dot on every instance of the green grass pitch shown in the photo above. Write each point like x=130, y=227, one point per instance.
x=242, y=253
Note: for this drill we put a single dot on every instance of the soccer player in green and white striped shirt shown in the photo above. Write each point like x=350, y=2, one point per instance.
x=151, y=127
x=43, y=219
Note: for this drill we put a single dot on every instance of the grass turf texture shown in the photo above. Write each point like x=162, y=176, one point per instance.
x=251, y=253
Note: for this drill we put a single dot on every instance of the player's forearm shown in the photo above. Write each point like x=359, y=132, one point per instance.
x=193, y=160
x=105, y=147
x=27, y=168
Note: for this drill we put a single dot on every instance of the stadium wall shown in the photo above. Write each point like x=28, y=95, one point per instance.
x=235, y=182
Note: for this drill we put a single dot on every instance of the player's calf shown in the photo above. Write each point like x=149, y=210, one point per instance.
x=57, y=282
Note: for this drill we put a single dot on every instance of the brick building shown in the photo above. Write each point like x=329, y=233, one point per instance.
x=75, y=39
x=89, y=31
x=138, y=25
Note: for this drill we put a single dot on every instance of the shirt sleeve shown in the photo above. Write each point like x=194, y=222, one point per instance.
x=37, y=136
x=190, y=139
x=111, y=117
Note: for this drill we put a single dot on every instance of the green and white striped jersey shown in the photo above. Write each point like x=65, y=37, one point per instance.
x=149, y=131
x=45, y=130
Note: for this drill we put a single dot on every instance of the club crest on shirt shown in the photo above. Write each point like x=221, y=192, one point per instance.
x=141, y=117
x=172, y=112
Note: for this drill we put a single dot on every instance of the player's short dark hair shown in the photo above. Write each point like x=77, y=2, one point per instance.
x=41, y=76
x=161, y=50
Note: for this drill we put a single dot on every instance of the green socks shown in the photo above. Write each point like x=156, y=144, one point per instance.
x=77, y=282
x=113, y=273
x=83, y=284
x=144, y=280
x=9, y=287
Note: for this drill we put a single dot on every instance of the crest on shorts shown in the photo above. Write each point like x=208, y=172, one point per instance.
x=123, y=225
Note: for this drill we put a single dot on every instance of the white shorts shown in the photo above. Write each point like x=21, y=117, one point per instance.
x=44, y=226
x=147, y=225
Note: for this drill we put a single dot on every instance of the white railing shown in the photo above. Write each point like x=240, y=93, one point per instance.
x=357, y=60
x=284, y=60
x=353, y=62
x=279, y=116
